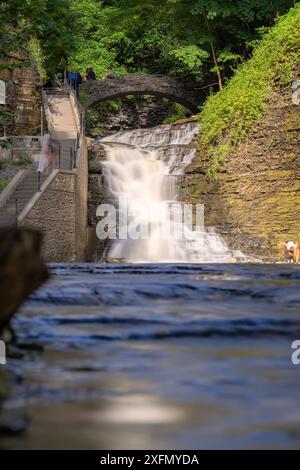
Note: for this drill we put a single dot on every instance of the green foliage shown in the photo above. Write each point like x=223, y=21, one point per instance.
x=230, y=114
x=187, y=59
x=22, y=160
x=96, y=41
x=109, y=107
x=217, y=155
x=92, y=118
x=173, y=37
x=180, y=112
x=5, y=144
x=35, y=51
x=112, y=106
x=90, y=53
x=3, y=184
x=46, y=21
x=82, y=97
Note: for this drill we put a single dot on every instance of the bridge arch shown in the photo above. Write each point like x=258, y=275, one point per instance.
x=156, y=85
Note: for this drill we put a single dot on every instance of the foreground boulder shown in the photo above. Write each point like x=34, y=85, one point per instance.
x=21, y=269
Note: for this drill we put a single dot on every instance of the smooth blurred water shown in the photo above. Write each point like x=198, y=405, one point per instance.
x=142, y=171
x=159, y=356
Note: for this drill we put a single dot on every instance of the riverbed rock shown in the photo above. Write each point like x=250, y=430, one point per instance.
x=21, y=269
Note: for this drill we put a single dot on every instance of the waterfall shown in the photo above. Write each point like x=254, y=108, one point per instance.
x=144, y=166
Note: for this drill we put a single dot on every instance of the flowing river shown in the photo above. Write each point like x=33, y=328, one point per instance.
x=156, y=356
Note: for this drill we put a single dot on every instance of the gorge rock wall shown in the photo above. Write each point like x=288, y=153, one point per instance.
x=23, y=95
x=255, y=202
x=128, y=113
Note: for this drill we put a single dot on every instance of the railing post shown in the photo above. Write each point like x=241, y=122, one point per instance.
x=16, y=209
x=82, y=123
x=71, y=158
x=81, y=126
x=59, y=156
x=75, y=159
x=42, y=121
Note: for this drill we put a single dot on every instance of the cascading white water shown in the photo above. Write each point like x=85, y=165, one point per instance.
x=144, y=165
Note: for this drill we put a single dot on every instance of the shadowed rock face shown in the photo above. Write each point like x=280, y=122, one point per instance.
x=134, y=112
x=156, y=85
x=21, y=269
x=255, y=203
x=21, y=272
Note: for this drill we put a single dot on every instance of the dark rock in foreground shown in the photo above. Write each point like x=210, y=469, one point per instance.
x=21, y=269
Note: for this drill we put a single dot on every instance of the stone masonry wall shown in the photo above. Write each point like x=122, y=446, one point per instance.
x=53, y=213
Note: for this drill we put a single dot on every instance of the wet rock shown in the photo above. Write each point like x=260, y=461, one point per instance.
x=11, y=424
x=5, y=386
x=21, y=269
x=109, y=259
x=95, y=166
x=30, y=346
x=129, y=113
x=96, y=151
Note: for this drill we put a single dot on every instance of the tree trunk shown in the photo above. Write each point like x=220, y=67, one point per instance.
x=213, y=52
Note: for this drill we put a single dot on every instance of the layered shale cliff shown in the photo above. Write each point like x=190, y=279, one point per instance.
x=247, y=170
x=255, y=200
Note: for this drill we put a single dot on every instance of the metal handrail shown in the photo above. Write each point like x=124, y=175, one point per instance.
x=80, y=109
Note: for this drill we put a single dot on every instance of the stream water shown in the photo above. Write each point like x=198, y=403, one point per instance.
x=158, y=356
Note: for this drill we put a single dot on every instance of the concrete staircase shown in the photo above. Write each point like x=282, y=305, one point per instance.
x=63, y=128
x=28, y=185
x=62, y=125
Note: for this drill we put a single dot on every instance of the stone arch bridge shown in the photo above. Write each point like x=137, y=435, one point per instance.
x=176, y=90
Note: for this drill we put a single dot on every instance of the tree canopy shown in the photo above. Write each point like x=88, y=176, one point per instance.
x=203, y=40
x=45, y=21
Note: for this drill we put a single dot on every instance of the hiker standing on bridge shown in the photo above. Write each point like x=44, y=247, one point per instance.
x=90, y=74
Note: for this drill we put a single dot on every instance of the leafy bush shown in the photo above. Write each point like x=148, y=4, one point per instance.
x=38, y=57
x=5, y=144
x=112, y=106
x=3, y=184
x=228, y=116
x=180, y=112
x=22, y=160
